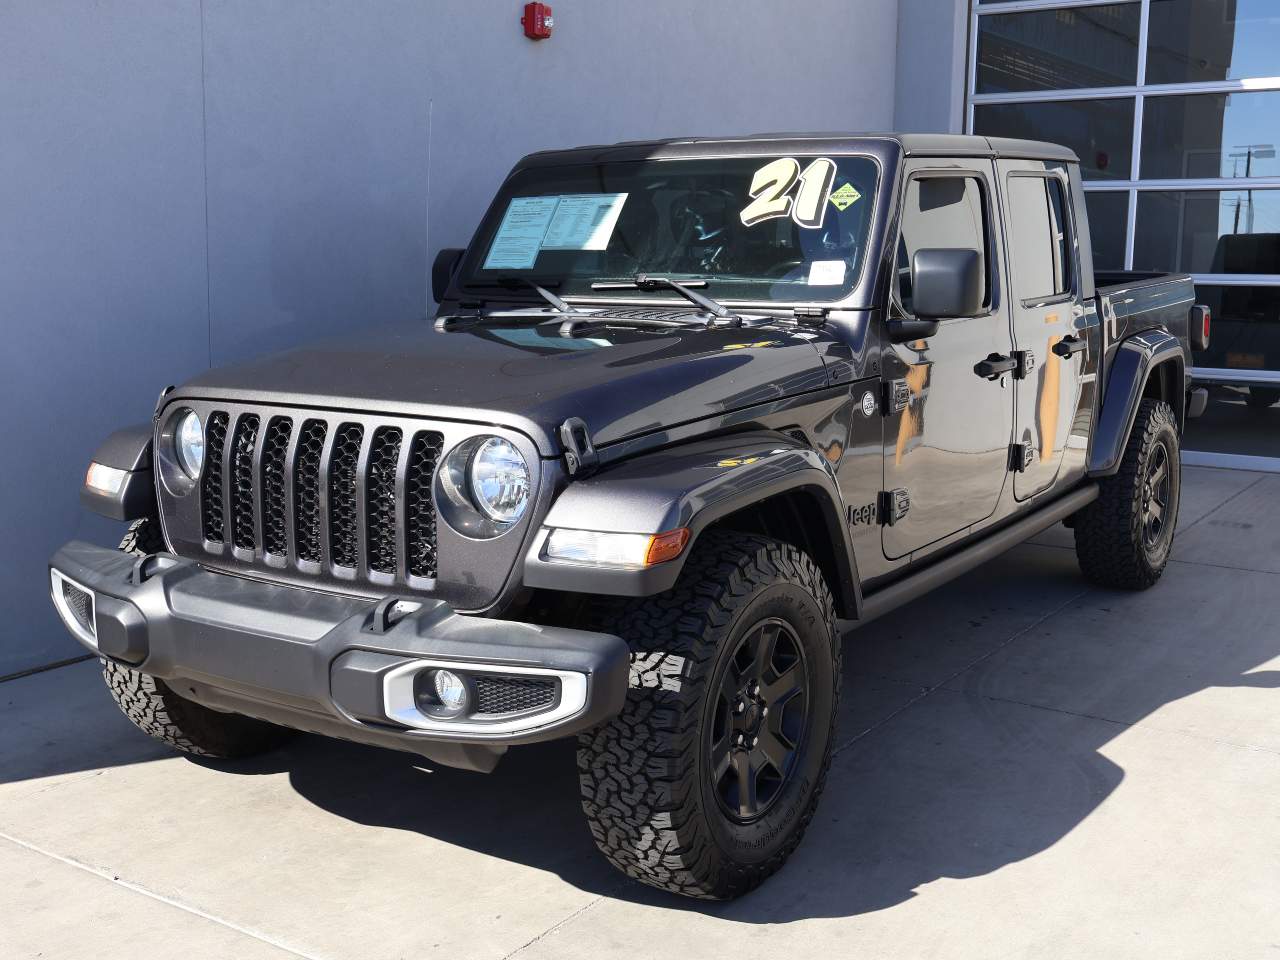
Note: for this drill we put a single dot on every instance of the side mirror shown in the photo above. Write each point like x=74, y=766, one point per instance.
x=947, y=283
x=442, y=271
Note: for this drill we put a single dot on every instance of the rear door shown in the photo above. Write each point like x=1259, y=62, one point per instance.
x=947, y=430
x=1045, y=305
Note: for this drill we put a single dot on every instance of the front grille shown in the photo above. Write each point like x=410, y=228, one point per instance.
x=211, y=482
x=314, y=494
x=242, y=486
x=343, y=515
x=380, y=499
x=498, y=695
x=306, y=489
x=275, y=447
x=423, y=454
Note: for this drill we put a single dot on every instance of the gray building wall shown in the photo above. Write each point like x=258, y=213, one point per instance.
x=187, y=183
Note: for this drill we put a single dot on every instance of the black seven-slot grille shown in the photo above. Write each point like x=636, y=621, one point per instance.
x=266, y=491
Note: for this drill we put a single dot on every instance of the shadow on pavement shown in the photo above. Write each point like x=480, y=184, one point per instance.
x=966, y=780
x=957, y=786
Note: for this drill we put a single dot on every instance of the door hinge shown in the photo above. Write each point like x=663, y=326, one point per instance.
x=1020, y=456
x=580, y=457
x=897, y=396
x=1026, y=363
x=894, y=505
x=810, y=316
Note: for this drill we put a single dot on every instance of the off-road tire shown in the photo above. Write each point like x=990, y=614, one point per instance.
x=155, y=709
x=648, y=797
x=1110, y=543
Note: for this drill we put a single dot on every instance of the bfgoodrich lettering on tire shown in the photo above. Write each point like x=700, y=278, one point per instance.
x=706, y=781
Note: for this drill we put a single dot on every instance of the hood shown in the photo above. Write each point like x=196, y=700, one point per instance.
x=620, y=381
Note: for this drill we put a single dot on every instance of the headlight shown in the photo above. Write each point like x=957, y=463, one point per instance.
x=499, y=480
x=188, y=441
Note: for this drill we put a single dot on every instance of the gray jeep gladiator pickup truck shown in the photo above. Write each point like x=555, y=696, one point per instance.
x=684, y=406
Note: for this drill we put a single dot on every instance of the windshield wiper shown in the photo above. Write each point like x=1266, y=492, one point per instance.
x=645, y=282
x=515, y=283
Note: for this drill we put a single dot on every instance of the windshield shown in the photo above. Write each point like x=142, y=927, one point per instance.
x=787, y=228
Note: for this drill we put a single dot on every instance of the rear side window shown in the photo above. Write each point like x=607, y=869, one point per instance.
x=1041, y=232
x=940, y=212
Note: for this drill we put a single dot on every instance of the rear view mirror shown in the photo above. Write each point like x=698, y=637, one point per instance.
x=446, y=263
x=947, y=283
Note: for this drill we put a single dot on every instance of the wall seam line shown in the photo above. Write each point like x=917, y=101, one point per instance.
x=204, y=152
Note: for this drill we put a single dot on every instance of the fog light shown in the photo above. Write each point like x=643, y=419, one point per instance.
x=450, y=690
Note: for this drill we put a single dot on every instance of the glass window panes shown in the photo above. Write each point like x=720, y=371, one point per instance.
x=1208, y=135
x=1039, y=237
x=1208, y=231
x=1093, y=46
x=1108, y=219
x=1245, y=330
x=939, y=212
x=1099, y=131
x=1191, y=41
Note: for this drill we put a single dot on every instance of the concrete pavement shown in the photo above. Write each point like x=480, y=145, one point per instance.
x=1028, y=767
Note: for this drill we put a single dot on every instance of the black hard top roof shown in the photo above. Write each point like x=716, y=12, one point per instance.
x=912, y=144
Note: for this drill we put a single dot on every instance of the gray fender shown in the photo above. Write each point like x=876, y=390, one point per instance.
x=129, y=450
x=691, y=485
x=1137, y=359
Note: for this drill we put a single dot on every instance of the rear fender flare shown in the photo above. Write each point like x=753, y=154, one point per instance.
x=692, y=485
x=1139, y=358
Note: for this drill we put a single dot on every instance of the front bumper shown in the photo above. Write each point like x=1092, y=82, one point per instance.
x=335, y=665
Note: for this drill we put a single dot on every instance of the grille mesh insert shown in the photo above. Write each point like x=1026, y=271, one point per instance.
x=344, y=518
x=306, y=489
x=242, y=481
x=495, y=695
x=211, y=482
x=419, y=505
x=275, y=446
x=79, y=603
x=380, y=499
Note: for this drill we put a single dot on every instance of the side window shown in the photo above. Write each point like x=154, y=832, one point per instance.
x=1041, y=235
x=946, y=212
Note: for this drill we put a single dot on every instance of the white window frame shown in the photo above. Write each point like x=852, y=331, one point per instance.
x=1138, y=92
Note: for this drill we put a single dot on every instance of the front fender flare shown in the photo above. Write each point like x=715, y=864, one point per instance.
x=128, y=450
x=691, y=485
x=1136, y=359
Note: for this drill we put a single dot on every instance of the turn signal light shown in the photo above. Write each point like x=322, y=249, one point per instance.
x=628, y=550
x=666, y=546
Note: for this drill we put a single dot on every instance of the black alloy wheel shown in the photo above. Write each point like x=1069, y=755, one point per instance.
x=1156, y=486
x=756, y=733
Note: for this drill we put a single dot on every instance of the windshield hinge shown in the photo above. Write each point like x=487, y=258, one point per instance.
x=580, y=457
x=810, y=316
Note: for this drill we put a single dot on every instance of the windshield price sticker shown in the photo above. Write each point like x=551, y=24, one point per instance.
x=584, y=221
x=771, y=192
x=581, y=221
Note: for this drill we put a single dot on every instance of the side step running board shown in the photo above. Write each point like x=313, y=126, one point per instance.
x=936, y=574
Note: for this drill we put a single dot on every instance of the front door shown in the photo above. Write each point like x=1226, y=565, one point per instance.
x=1043, y=281
x=947, y=431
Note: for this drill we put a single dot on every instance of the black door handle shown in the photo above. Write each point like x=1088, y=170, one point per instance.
x=995, y=365
x=1069, y=346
